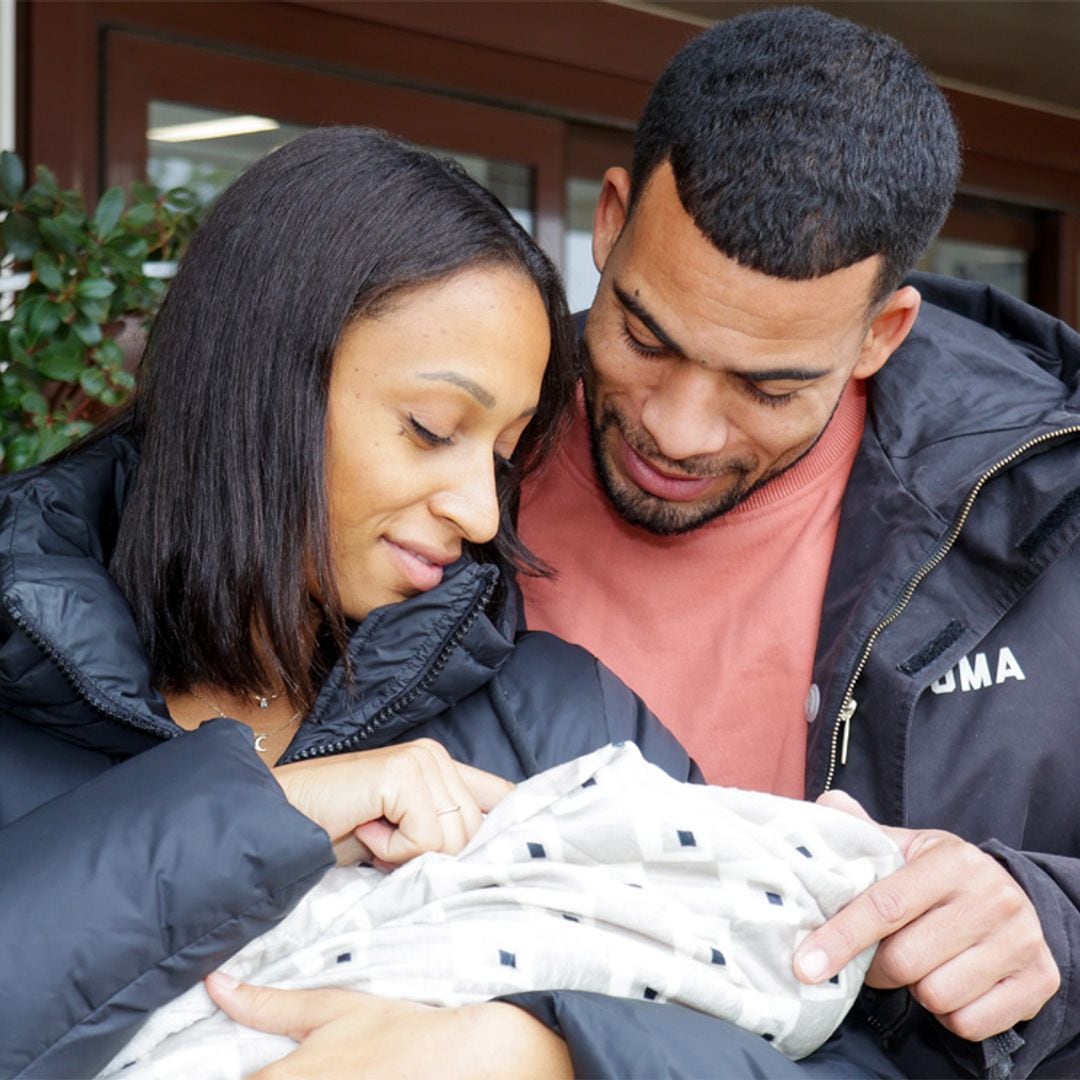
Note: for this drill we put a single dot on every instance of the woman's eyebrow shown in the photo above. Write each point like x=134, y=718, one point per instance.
x=472, y=388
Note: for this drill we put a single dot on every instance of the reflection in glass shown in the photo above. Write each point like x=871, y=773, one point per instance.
x=1004, y=267
x=204, y=149
x=580, y=272
x=508, y=181
x=213, y=149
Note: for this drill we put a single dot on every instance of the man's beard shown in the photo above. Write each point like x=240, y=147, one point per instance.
x=663, y=517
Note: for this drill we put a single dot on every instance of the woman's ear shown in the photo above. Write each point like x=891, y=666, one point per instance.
x=610, y=217
x=887, y=331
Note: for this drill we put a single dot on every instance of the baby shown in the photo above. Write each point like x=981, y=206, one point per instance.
x=602, y=874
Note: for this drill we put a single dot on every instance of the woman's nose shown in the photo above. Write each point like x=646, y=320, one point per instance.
x=470, y=500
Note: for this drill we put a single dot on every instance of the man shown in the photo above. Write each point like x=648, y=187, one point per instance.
x=798, y=490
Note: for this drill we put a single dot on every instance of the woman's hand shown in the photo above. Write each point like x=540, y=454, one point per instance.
x=395, y=802
x=346, y=1035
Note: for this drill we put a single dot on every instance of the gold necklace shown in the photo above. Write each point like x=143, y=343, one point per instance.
x=260, y=736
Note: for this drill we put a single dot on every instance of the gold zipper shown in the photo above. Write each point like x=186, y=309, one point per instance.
x=848, y=705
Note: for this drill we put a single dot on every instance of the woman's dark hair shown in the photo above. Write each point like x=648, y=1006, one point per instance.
x=802, y=143
x=223, y=545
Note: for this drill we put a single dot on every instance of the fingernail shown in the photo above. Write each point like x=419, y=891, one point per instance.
x=813, y=964
x=223, y=980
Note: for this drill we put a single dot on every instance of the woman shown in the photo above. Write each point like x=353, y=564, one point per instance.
x=224, y=614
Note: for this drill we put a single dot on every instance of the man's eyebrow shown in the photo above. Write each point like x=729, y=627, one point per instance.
x=472, y=388
x=785, y=374
x=766, y=375
x=634, y=307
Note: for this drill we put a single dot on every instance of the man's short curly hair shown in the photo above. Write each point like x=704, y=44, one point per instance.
x=802, y=143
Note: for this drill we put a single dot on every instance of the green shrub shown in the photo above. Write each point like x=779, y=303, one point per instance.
x=61, y=367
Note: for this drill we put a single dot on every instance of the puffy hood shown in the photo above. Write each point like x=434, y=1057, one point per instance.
x=962, y=453
x=980, y=375
x=71, y=659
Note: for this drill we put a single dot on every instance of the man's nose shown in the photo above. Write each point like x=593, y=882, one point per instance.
x=683, y=415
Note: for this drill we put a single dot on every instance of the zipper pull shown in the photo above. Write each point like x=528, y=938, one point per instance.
x=847, y=711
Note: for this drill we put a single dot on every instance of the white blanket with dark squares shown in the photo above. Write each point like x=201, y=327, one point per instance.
x=602, y=874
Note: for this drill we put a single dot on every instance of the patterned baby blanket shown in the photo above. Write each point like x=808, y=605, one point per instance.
x=602, y=874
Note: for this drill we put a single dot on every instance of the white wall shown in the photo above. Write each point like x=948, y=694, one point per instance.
x=7, y=74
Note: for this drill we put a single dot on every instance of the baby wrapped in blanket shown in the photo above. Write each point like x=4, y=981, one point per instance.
x=602, y=874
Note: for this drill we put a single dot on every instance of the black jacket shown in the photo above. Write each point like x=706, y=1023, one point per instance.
x=952, y=616
x=134, y=857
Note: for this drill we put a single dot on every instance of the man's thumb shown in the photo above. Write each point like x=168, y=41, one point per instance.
x=295, y=1013
x=841, y=800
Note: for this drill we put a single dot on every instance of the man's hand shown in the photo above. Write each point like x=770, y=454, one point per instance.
x=953, y=926
x=346, y=1035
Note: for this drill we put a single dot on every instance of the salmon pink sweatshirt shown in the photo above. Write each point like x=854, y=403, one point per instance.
x=716, y=629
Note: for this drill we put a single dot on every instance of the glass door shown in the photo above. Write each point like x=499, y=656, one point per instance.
x=186, y=115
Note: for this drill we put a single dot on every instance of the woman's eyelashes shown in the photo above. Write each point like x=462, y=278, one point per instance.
x=428, y=436
x=503, y=460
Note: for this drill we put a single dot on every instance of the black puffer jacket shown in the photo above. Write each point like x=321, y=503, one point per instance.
x=135, y=857
x=952, y=617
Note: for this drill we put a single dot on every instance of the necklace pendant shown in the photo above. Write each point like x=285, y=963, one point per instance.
x=264, y=703
x=260, y=743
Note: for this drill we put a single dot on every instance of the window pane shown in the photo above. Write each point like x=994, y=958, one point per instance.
x=508, y=181
x=1005, y=267
x=205, y=149
x=581, y=275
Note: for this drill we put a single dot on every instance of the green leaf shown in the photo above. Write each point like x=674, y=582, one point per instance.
x=17, y=344
x=20, y=237
x=131, y=247
x=43, y=321
x=95, y=289
x=63, y=361
x=141, y=216
x=12, y=178
x=123, y=379
x=182, y=199
x=87, y=331
x=78, y=428
x=48, y=272
x=22, y=451
x=46, y=180
x=93, y=381
x=32, y=402
x=95, y=310
x=108, y=212
x=143, y=193
x=109, y=354
x=53, y=440
x=58, y=236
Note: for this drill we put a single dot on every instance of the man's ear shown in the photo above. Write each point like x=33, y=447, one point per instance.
x=610, y=217
x=887, y=331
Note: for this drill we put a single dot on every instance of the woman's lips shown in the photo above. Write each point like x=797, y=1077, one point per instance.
x=663, y=486
x=420, y=572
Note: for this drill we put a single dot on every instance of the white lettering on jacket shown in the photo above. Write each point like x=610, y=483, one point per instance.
x=973, y=673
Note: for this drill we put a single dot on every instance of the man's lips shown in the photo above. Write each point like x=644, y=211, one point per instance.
x=422, y=566
x=662, y=485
